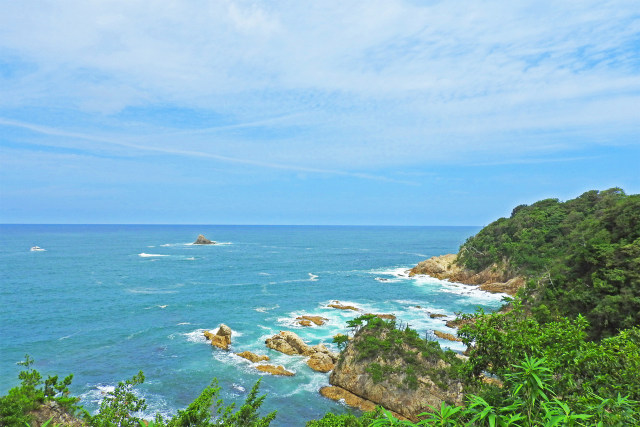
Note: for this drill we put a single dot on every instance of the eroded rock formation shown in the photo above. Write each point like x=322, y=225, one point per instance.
x=320, y=357
x=221, y=339
x=255, y=358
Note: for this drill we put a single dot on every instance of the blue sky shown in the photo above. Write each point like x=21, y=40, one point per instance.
x=333, y=112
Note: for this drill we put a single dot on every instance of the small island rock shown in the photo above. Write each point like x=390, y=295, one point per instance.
x=201, y=240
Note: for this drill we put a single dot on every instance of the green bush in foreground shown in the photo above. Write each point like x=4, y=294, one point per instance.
x=121, y=407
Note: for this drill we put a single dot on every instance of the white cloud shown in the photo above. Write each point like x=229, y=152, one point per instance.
x=367, y=83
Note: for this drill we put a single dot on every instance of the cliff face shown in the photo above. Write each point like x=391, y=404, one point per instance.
x=492, y=279
x=405, y=385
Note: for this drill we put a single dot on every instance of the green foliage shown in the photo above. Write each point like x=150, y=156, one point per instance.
x=347, y=420
x=20, y=401
x=581, y=367
x=583, y=256
x=121, y=407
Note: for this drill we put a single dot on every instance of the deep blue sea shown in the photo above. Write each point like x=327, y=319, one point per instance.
x=103, y=302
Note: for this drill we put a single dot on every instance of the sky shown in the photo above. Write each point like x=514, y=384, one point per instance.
x=373, y=112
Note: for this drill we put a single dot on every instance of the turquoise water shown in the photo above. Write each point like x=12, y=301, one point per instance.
x=103, y=302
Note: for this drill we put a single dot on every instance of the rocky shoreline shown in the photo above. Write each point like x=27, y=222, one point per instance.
x=492, y=279
x=351, y=378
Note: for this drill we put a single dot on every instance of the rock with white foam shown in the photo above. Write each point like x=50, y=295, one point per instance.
x=221, y=339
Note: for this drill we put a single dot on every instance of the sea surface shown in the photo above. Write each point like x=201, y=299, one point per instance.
x=105, y=301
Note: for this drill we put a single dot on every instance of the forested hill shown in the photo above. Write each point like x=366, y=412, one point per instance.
x=582, y=256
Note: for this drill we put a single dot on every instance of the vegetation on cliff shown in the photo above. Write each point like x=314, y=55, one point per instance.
x=582, y=256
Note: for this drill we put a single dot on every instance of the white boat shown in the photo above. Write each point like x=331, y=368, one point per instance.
x=37, y=249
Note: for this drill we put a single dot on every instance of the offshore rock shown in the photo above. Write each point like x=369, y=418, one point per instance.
x=221, y=339
x=321, y=359
x=252, y=356
x=392, y=391
x=288, y=343
x=437, y=315
x=492, y=279
x=339, y=306
x=201, y=240
x=307, y=320
x=275, y=370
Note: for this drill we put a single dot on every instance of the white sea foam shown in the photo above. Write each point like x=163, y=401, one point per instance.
x=264, y=274
x=183, y=323
x=265, y=309
x=144, y=255
x=313, y=277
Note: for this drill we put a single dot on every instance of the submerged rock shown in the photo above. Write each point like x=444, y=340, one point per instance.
x=339, y=306
x=437, y=316
x=307, y=320
x=221, y=339
x=252, y=356
x=275, y=370
x=201, y=240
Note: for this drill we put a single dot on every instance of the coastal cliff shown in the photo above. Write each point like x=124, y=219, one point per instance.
x=493, y=278
x=397, y=369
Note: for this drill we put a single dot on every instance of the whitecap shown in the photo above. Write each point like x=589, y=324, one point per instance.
x=183, y=323
x=144, y=255
x=313, y=277
x=265, y=309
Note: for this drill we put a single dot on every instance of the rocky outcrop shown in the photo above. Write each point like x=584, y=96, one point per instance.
x=492, y=279
x=308, y=320
x=275, y=370
x=58, y=415
x=339, y=306
x=402, y=386
x=255, y=358
x=320, y=357
x=338, y=393
x=437, y=316
x=221, y=339
x=201, y=240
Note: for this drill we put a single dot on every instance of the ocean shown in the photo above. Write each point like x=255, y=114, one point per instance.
x=106, y=301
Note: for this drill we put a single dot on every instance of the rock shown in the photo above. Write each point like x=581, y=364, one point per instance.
x=221, y=339
x=336, y=304
x=58, y=415
x=437, y=316
x=253, y=357
x=385, y=316
x=338, y=393
x=446, y=336
x=307, y=320
x=201, y=240
x=275, y=370
x=321, y=362
x=494, y=278
x=288, y=343
x=320, y=357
